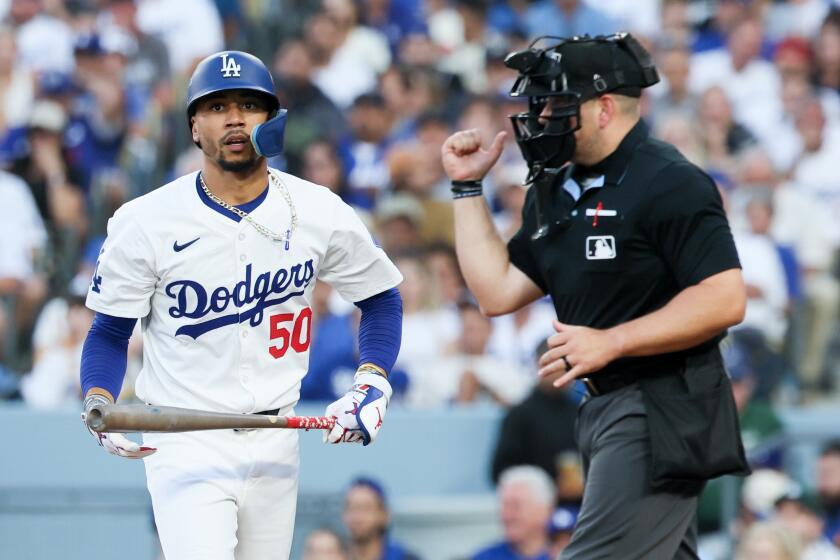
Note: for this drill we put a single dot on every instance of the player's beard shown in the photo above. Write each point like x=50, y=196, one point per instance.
x=242, y=166
x=239, y=166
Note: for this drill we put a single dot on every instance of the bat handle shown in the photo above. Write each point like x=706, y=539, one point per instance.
x=310, y=422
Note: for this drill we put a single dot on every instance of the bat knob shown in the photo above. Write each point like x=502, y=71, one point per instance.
x=93, y=419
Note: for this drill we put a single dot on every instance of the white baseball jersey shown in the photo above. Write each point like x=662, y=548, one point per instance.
x=225, y=311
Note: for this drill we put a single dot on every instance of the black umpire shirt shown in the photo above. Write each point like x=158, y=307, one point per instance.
x=646, y=225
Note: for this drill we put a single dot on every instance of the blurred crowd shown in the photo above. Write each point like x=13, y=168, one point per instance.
x=92, y=114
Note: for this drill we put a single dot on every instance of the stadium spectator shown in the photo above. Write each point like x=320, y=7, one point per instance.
x=16, y=88
x=22, y=244
x=827, y=52
x=800, y=514
x=429, y=329
x=190, y=29
x=828, y=489
x=367, y=518
x=349, y=55
x=59, y=335
x=767, y=541
x=368, y=144
x=814, y=171
x=312, y=114
x=522, y=439
x=672, y=94
x=324, y=544
x=764, y=273
x=724, y=138
x=566, y=18
x=35, y=28
x=750, y=82
x=469, y=374
x=526, y=502
x=560, y=529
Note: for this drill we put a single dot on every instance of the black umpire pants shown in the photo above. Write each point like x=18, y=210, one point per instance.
x=622, y=517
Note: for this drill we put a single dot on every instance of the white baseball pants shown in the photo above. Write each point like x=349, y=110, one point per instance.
x=224, y=494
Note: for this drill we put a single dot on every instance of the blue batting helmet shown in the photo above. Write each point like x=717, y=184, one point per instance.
x=229, y=70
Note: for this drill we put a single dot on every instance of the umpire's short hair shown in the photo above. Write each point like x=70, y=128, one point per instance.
x=536, y=479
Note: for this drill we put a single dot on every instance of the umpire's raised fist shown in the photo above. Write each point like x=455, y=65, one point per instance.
x=465, y=160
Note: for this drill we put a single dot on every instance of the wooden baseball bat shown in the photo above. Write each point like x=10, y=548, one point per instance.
x=124, y=418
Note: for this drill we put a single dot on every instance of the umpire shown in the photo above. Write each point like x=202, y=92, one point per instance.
x=631, y=242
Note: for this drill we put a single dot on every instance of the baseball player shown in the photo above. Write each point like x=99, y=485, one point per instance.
x=219, y=266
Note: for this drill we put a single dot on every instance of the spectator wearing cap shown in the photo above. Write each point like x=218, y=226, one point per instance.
x=54, y=182
x=399, y=221
x=560, y=529
x=828, y=489
x=801, y=514
x=367, y=518
x=98, y=124
x=526, y=501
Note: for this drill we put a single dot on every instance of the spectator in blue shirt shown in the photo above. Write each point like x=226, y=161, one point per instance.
x=526, y=496
x=566, y=18
x=367, y=517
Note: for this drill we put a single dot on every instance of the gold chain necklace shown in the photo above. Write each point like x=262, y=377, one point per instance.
x=280, y=186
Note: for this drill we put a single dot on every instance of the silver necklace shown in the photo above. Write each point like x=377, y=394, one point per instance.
x=278, y=184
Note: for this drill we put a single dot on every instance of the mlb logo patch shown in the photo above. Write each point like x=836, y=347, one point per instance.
x=600, y=247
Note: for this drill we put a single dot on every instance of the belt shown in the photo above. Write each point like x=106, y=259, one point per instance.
x=603, y=385
x=272, y=412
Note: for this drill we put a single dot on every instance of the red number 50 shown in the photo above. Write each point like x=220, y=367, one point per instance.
x=298, y=338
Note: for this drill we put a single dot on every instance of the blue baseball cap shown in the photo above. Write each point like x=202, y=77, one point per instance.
x=563, y=520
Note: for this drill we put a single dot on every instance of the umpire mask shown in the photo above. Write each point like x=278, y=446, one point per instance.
x=562, y=76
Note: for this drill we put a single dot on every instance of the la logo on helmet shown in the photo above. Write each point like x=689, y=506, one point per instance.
x=230, y=69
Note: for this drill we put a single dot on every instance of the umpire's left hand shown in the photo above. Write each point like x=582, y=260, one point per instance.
x=578, y=351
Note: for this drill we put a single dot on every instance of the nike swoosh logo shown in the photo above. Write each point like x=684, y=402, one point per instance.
x=177, y=248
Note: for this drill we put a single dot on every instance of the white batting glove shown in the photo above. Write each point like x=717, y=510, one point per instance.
x=115, y=444
x=359, y=413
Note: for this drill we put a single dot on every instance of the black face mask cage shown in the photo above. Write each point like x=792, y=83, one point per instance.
x=548, y=142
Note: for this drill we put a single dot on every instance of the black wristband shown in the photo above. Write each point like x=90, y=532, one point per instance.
x=464, y=189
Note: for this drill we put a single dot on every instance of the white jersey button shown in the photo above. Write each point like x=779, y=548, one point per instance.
x=244, y=333
x=241, y=236
x=242, y=258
